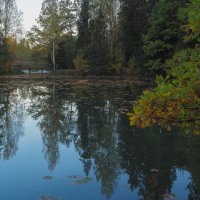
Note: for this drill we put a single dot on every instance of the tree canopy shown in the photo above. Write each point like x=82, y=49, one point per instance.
x=176, y=98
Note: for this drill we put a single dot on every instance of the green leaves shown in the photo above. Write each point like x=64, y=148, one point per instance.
x=56, y=20
x=81, y=63
x=163, y=33
x=193, y=26
x=176, y=99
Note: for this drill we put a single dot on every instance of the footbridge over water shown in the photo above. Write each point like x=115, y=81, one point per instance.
x=31, y=68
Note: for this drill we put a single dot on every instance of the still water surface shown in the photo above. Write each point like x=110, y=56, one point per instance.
x=71, y=140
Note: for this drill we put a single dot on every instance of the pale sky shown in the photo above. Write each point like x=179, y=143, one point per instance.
x=31, y=10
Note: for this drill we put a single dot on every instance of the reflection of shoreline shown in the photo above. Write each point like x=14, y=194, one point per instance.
x=73, y=108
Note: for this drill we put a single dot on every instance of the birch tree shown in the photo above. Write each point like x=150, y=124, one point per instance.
x=50, y=24
x=10, y=30
x=48, y=31
x=10, y=18
x=56, y=19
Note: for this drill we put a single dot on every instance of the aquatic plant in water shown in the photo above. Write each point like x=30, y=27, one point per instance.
x=47, y=178
x=47, y=197
x=79, y=180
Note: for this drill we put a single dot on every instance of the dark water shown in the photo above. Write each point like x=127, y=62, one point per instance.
x=72, y=141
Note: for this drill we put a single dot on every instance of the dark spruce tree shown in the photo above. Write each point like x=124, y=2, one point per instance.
x=93, y=48
x=98, y=51
x=164, y=33
x=133, y=20
x=66, y=52
x=83, y=25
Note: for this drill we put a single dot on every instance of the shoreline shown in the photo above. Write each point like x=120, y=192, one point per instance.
x=80, y=80
x=76, y=77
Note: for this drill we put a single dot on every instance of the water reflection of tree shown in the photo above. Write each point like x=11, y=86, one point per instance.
x=55, y=119
x=190, y=148
x=60, y=108
x=89, y=116
x=12, y=111
x=144, y=152
x=98, y=137
x=105, y=138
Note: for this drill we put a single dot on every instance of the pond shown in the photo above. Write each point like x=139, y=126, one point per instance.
x=71, y=140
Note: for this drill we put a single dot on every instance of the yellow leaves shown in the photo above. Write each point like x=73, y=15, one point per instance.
x=12, y=45
x=196, y=131
x=146, y=92
x=81, y=64
x=173, y=107
x=132, y=120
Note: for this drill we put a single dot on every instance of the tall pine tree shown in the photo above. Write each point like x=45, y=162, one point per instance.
x=133, y=19
x=83, y=25
x=164, y=33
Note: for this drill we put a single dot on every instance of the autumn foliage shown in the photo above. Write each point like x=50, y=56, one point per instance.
x=176, y=99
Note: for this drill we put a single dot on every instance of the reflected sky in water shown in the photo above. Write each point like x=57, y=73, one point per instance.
x=71, y=131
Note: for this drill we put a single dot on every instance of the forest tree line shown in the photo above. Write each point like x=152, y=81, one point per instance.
x=100, y=37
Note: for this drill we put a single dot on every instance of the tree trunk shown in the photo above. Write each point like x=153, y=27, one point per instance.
x=53, y=92
x=111, y=27
x=53, y=56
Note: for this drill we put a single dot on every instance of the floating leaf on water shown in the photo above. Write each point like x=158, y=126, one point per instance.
x=47, y=178
x=82, y=82
x=169, y=196
x=30, y=186
x=97, y=107
x=82, y=181
x=154, y=170
x=47, y=197
x=79, y=180
x=74, y=177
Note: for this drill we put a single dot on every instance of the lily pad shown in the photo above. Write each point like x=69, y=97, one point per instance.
x=30, y=186
x=46, y=197
x=74, y=177
x=47, y=178
x=79, y=180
